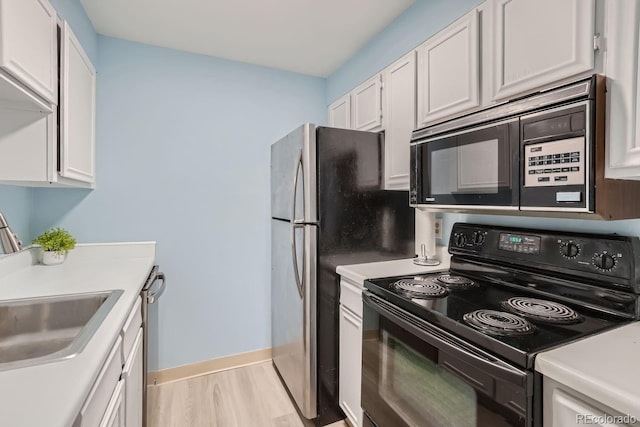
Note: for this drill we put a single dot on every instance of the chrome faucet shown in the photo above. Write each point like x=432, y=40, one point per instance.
x=8, y=239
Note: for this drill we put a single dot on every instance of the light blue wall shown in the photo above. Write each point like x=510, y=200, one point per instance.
x=183, y=148
x=419, y=22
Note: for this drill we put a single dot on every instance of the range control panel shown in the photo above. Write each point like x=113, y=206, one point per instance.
x=592, y=255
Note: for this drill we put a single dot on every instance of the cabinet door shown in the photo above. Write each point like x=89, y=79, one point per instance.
x=350, y=369
x=400, y=121
x=114, y=415
x=101, y=395
x=132, y=376
x=77, y=111
x=448, y=72
x=340, y=113
x=568, y=411
x=29, y=45
x=539, y=42
x=367, y=104
x=622, y=26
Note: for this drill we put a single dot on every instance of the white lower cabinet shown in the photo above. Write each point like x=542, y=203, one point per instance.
x=114, y=415
x=116, y=397
x=132, y=376
x=350, y=365
x=565, y=407
x=100, y=396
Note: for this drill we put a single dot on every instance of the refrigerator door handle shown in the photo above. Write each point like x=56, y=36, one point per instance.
x=294, y=193
x=295, y=224
x=294, y=255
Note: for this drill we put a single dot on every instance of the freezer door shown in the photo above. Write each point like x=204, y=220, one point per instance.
x=293, y=310
x=293, y=176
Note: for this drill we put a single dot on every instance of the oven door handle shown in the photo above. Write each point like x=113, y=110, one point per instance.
x=445, y=342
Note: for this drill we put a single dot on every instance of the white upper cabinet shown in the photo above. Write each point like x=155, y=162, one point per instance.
x=28, y=45
x=340, y=113
x=448, y=71
x=367, y=104
x=57, y=148
x=400, y=120
x=77, y=110
x=622, y=26
x=540, y=42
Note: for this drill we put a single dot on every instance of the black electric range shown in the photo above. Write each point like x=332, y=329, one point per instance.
x=508, y=295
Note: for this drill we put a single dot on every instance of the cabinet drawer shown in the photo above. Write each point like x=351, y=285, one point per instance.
x=96, y=404
x=130, y=329
x=351, y=296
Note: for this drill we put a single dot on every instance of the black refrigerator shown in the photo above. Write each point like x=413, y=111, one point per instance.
x=328, y=208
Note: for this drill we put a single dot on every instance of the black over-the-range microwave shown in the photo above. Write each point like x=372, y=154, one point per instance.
x=541, y=155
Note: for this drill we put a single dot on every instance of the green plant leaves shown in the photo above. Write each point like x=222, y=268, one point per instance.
x=56, y=240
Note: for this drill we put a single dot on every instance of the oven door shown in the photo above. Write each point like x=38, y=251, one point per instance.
x=474, y=168
x=415, y=374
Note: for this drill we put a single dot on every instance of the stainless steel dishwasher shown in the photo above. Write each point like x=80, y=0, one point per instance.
x=151, y=291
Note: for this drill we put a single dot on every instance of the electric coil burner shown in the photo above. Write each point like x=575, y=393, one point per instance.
x=458, y=347
x=419, y=289
x=498, y=322
x=455, y=282
x=541, y=310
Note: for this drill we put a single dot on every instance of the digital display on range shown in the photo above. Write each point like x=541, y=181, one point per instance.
x=519, y=243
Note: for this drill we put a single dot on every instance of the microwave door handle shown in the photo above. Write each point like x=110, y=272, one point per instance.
x=437, y=338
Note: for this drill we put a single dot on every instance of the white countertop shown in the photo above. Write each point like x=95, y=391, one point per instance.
x=52, y=394
x=358, y=273
x=604, y=367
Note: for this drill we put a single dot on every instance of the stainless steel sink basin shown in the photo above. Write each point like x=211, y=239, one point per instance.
x=42, y=330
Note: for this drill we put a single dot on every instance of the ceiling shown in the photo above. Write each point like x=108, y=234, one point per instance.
x=313, y=37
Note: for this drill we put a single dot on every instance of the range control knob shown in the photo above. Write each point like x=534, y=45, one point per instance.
x=478, y=238
x=569, y=250
x=604, y=261
x=460, y=240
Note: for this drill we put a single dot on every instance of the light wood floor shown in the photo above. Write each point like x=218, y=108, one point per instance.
x=243, y=397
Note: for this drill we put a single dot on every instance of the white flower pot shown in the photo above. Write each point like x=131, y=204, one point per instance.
x=52, y=258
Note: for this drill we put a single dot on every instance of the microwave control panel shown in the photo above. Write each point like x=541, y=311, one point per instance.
x=555, y=163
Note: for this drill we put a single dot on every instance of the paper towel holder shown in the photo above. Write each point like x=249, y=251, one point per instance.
x=424, y=260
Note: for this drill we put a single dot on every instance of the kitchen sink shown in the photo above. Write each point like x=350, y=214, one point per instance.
x=41, y=330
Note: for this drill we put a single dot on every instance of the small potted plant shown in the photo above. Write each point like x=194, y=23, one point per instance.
x=55, y=244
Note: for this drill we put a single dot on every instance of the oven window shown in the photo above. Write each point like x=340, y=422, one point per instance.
x=438, y=396
x=471, y=169
x=407, y=382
